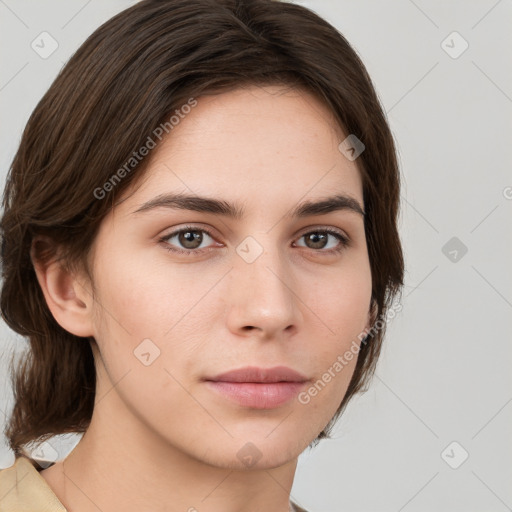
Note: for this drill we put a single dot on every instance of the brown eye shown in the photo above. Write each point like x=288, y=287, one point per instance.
x=188, y=240
x=318, y=240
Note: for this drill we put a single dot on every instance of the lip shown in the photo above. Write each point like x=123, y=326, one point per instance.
x=261, y=375
x=258, y=388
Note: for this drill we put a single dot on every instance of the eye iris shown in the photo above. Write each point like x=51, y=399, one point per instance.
x=319, y=240
x=190, y=237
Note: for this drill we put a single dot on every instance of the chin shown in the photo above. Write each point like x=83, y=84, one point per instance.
x=252, y=452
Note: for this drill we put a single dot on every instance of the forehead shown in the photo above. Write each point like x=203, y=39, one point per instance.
x=258, y=145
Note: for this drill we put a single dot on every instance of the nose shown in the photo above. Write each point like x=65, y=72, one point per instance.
x=262, y=297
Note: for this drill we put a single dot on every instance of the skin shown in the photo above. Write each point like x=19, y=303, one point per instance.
x=159, y=438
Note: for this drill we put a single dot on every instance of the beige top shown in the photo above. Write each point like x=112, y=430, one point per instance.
x=23, y=489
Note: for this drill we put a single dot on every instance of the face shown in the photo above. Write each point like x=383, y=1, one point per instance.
x=185, y=293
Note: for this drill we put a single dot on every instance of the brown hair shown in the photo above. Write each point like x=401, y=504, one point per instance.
x=120, y=85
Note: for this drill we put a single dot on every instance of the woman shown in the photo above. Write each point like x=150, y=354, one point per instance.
x=200, y=244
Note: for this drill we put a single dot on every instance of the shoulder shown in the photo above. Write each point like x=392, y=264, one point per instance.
x=23, y=488
x=296, y=508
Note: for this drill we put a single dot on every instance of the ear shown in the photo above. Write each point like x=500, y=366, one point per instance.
x=68, y=297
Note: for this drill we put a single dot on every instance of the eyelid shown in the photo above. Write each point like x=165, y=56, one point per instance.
x=192, y=226
x=322, y=227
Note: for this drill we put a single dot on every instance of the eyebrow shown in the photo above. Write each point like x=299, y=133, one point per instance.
x=339, y=202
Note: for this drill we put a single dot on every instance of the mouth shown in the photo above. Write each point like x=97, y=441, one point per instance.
x=258, y=388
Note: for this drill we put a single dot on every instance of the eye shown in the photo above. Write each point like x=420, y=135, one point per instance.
x=318, y=240
x=190, y=238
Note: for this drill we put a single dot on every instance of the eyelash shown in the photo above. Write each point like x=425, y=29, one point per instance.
x=344, y=241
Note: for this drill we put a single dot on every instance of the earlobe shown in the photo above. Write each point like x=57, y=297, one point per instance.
x=68, y=300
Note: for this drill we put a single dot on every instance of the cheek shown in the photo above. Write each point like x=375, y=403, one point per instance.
x=341, y=307
x=152, y=326
x=138, y=305
x=341, y=301
x=148, y=297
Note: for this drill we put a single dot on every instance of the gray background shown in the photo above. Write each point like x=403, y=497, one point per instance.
x=444, y=375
